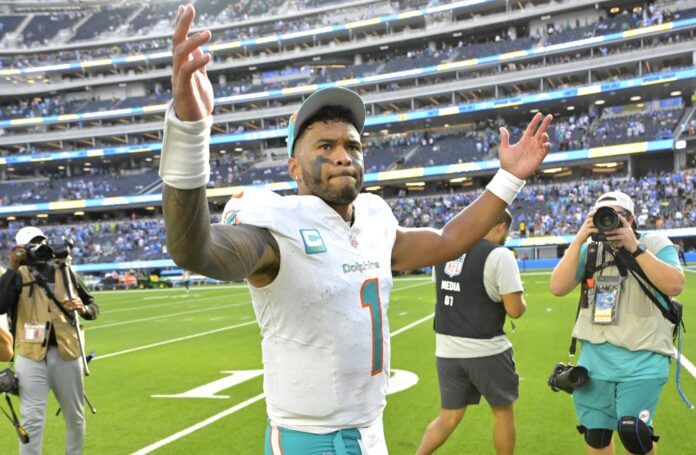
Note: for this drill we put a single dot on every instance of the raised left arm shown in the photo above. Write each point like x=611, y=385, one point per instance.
x=420, y=247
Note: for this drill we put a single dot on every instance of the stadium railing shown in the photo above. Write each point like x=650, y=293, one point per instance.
x=114, y=41
x=237, y=44
x=442, y=68
x=370, y=178
x=564, y=93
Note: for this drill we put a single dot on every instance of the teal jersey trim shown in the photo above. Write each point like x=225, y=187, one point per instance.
x=293, y=442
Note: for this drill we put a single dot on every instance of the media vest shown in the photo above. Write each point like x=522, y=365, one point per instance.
x=34, y=306
x=463, y=308
x=639, y=326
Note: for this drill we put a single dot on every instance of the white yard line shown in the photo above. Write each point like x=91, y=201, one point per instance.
x=187, y=431
x=147, y=306
x=199, y=425
x=176, y=289
x=196, y=335
x=163, y=316
x=686, y=363
x=410, y=286
x=215, y=287
x=411, y=325
x=173, y=340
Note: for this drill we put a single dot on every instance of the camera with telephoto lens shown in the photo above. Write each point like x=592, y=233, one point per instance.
x=9, y=382
x=605, y=219
x=568, y=377
x=38, y=253
x=63, y=251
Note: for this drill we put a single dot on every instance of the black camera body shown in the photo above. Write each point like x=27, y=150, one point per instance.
x=38, y=253
x=567, y=378
x=605, y=219
x=9, y=382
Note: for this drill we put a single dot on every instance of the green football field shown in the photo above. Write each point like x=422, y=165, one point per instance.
x=168, y=342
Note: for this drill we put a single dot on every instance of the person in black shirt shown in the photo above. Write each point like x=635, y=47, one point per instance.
x=474, y=357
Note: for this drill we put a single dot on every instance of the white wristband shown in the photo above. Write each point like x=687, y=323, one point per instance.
x=505, y=186
x=185, y=160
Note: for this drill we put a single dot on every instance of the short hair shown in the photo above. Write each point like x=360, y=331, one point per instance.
x=506, y=218
x=332, y=113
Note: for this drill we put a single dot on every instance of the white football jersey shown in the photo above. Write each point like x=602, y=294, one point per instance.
x=324, y=318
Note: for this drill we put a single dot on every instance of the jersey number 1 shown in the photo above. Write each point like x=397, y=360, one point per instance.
x=369, y=298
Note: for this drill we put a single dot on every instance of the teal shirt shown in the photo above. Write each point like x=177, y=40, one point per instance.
x=612, y=363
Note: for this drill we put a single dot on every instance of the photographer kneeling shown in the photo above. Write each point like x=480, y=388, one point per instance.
x=626, y=341
x=47, y=349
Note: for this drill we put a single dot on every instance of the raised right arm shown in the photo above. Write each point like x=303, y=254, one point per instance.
x=218, y=251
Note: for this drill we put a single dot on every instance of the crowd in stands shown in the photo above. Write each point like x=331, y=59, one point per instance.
x=142, y=21
x=99, y=182
x=111, y=21
x=471, y=142
x=663, y=201
x=651, y=124
x=106, y=241
x=391, y=61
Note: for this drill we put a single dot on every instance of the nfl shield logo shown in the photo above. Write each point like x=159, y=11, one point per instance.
x=454, y=268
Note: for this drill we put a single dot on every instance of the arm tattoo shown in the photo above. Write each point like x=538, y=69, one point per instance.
x=219, y=251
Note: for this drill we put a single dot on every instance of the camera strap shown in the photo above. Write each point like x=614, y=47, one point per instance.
x=587, y=284
x=41, y=282
x=672, y=313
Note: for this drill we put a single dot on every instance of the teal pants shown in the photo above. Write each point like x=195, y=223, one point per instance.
x=600, y=404
x=290, y=442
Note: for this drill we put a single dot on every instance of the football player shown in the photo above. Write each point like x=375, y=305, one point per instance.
x=318, y=264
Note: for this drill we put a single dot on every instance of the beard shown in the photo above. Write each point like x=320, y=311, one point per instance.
x=342, y=194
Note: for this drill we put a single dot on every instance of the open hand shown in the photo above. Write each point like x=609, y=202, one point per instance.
x=522, y=158
x=191, y=88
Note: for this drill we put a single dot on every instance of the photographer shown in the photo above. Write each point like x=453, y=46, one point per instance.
x=626, y=342
x=34, y=295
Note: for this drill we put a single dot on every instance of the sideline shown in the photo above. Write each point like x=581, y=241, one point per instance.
x=240, y=406
x=208, y=287
x=217, y=287
x=90, y=327
x=174, y=340
x=209, y=332
x=686, y=363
